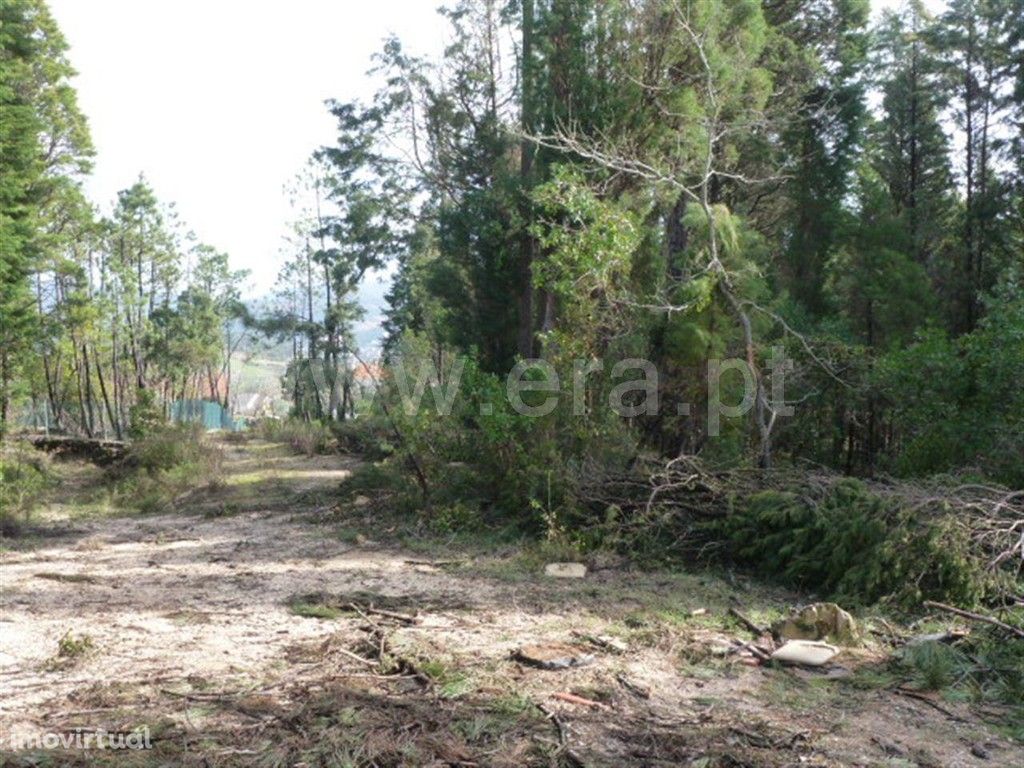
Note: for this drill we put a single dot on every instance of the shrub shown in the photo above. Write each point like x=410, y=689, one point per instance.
x=166, y=463
x=70, y=647
x=144, y=416
x=481, y=462
x=371, y=436
x=170, y=447
x=303, y=437
x=959, y=402
x=24, y=475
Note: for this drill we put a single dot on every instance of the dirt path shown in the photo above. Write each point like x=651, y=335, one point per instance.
x=227, y=630
x=168, y=595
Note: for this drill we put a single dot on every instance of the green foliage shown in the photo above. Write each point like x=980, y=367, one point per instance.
x=960, y=402
x=309, y=438
x=145, y=416
x=881, y=293
x=70, y=647
x=458, y=517
x=370, y=436
x=854, y=546
x=390, y=481
x=170, y=447
x=44, y=147
x=23, y=478
x=164, y=464
x=476, y=454
x=983, y=668
x=310, y=608
x=589, y=244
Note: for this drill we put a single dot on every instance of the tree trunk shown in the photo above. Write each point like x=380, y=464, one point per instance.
x=114, y=423
x=528, y=245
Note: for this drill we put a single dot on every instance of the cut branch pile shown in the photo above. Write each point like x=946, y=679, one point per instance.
x=675, y=503
x=101, y=452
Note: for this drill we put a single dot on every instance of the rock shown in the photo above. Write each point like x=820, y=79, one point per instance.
x=565, y=570
x=807, y=652
x=553, y=656
x=819, y=621
x=980, y=752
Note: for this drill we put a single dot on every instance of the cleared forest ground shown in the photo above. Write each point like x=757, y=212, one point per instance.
x=264, y=624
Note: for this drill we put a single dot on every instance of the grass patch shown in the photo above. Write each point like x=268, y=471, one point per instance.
x=310, y=608
x=71, y=647
x=451, y=682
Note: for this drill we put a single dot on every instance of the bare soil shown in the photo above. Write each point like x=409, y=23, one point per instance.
x=264, y=623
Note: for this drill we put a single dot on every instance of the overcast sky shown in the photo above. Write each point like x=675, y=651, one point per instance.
x=220, y=102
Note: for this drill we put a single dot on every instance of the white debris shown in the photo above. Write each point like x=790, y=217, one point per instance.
x=565, y=570
x=808, y=652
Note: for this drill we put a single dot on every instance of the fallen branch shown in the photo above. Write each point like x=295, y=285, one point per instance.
x=211, y=696
x=436, y=563
x=975, y=617
x=934, y=705
x=563, y=740
x=572, y=698
x=356, y=657
x=405, y=618
x=753, y=649
x=634, y=688
x=747, y=622
x=608, y=644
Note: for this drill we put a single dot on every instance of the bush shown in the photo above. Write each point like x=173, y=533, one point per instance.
x=387, y=480
x=854, y=545
x=145, y=416
x=170, y=447
x=959, y=402
x=370, y=436
x=167, y=462
x=303, y=437
x=24, y=475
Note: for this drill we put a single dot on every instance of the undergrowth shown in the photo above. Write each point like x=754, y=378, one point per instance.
x=308, y=438
x=984, y=668
x=24, y=476
x=165, y=464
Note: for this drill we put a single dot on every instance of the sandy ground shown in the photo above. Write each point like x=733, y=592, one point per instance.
x=198, y=600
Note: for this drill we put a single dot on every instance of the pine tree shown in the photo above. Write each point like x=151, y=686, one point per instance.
x=912, y=146
x=44, y=144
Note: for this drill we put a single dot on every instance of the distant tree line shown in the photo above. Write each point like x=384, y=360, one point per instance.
x=106, y=319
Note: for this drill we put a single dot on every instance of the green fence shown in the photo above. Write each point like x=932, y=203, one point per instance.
x=210, y=414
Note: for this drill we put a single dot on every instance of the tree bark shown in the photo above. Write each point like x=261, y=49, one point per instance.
x=528, y=245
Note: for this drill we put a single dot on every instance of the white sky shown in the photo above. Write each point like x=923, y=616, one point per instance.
x=220, y=102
